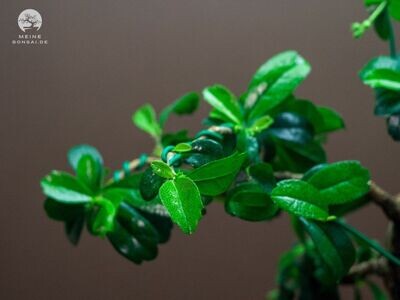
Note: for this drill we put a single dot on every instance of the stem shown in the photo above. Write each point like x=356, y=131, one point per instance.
x=392, y=37
x=376, y=13
x=374, y=245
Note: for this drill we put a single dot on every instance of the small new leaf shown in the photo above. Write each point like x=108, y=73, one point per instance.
x=162, y=169
x=185, y=105
x=224, y=102
x=145, y=119
x=182, y=147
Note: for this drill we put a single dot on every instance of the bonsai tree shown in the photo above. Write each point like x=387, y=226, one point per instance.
x=261, y=155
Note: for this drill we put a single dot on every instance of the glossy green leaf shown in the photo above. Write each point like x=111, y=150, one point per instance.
x=182, y=199
x=162, y=169
x=77, y=152
x=299, y=198
x=305, y=109
x=136, y=224
x=387, y=102
x=248, y=143
x=394, y=9
x=331, y=120
x=182, y=147
x=250, y=202
x=283, y=74
x=63, y=187
x=89, y=172
x=207, y=146
x=187, y=104
x=224, y=102
x=152, y=210
x=341, y=182
x=101, y=217
x=216, y=177
x=145, y=119
x=261, y=124
x=382, y=72
x=333, y=245
x=291, y=127
x=150, y=183
x=133, y=236
x=60, y=211
x=263, y=174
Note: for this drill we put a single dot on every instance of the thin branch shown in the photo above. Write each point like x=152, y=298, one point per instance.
x=376, y=266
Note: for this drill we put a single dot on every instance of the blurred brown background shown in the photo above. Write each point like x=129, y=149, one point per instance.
x=106, y=58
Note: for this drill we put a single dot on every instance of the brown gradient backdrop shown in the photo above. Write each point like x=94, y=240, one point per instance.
x=104, y=60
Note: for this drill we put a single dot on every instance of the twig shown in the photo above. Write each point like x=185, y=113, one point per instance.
x=376, y=266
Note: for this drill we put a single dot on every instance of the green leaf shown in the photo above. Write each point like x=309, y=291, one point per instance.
x=136, y=224
x=331, y=120
x=291, y=127
x=341, y=182
x=89, y=172
x=333, y=245
x=382, y=72
x=101, y=217
x=63, y=187
x=261, y=124
x=182, y=199
x=145, y=119
x=153, y=210
x=393, y=126
x=73, y=229
x=394, y=9
x=182, y=147
x=224, y=102
x=77, y=152
x=174, y=138
x=185, y=105
x=307, y=110
x=162, y=169
x=382, y=25
x=283, y=74
x=215, y=177
x=299, y=198
x=249, y=144
x=387, y=102
x=60, y=211
x=296, y=157
x=204, y=150
x=250, y=202
x=263, y=174
x=372, y=2
x=150, y=183
x=133, y=236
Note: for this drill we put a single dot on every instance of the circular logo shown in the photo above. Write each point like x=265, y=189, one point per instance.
x=29, y=20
